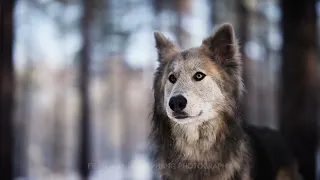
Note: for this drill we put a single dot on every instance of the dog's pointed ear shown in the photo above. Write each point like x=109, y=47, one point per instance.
x=222, y=44
x=166, y=48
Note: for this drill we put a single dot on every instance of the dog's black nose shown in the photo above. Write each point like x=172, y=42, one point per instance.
x=178, y=103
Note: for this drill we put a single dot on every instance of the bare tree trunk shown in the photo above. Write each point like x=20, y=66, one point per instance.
x=21, y=128
x=178, y=6
x=243, y=19
x=59, y=128
x=181, y=9
x=212, y=15
x=298, y=113
x=84, y=99
x=126, y=132
x=243, y=31
x=7, y=86
x=60, y=109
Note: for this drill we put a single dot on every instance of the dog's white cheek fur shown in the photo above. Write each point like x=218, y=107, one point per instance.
x=205, y=97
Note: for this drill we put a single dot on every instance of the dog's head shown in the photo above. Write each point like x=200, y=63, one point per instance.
x=197, y=84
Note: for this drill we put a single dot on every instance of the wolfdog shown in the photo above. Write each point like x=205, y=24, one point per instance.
x=196, y=128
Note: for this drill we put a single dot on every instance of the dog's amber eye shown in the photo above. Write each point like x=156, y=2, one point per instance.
x=172, y=79
x=198, y=76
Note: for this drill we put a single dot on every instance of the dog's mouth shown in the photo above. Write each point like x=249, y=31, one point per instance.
x=180, y=115
x=183, y=115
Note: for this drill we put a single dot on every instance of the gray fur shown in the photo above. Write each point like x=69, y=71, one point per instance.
x=211, y=143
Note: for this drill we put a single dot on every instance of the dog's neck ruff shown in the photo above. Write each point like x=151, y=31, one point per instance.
x=207, y=144
x=195, y=141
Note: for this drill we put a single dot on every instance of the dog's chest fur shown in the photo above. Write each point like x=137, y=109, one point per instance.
x=203, y=153
x=194, y=142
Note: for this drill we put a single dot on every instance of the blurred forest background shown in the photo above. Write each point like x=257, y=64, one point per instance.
x=76, y=79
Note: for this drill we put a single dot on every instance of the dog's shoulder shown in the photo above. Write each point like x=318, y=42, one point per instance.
x=271, y=156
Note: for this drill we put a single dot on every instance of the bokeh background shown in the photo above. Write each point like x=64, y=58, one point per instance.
x=83, y=73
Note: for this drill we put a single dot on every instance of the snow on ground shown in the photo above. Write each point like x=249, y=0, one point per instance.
x=139, y=169
x=109, y=171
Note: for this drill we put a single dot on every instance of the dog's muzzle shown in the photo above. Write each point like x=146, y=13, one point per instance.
x=177, y=104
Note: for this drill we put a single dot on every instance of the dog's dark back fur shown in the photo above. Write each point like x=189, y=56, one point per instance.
x=238, y=151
